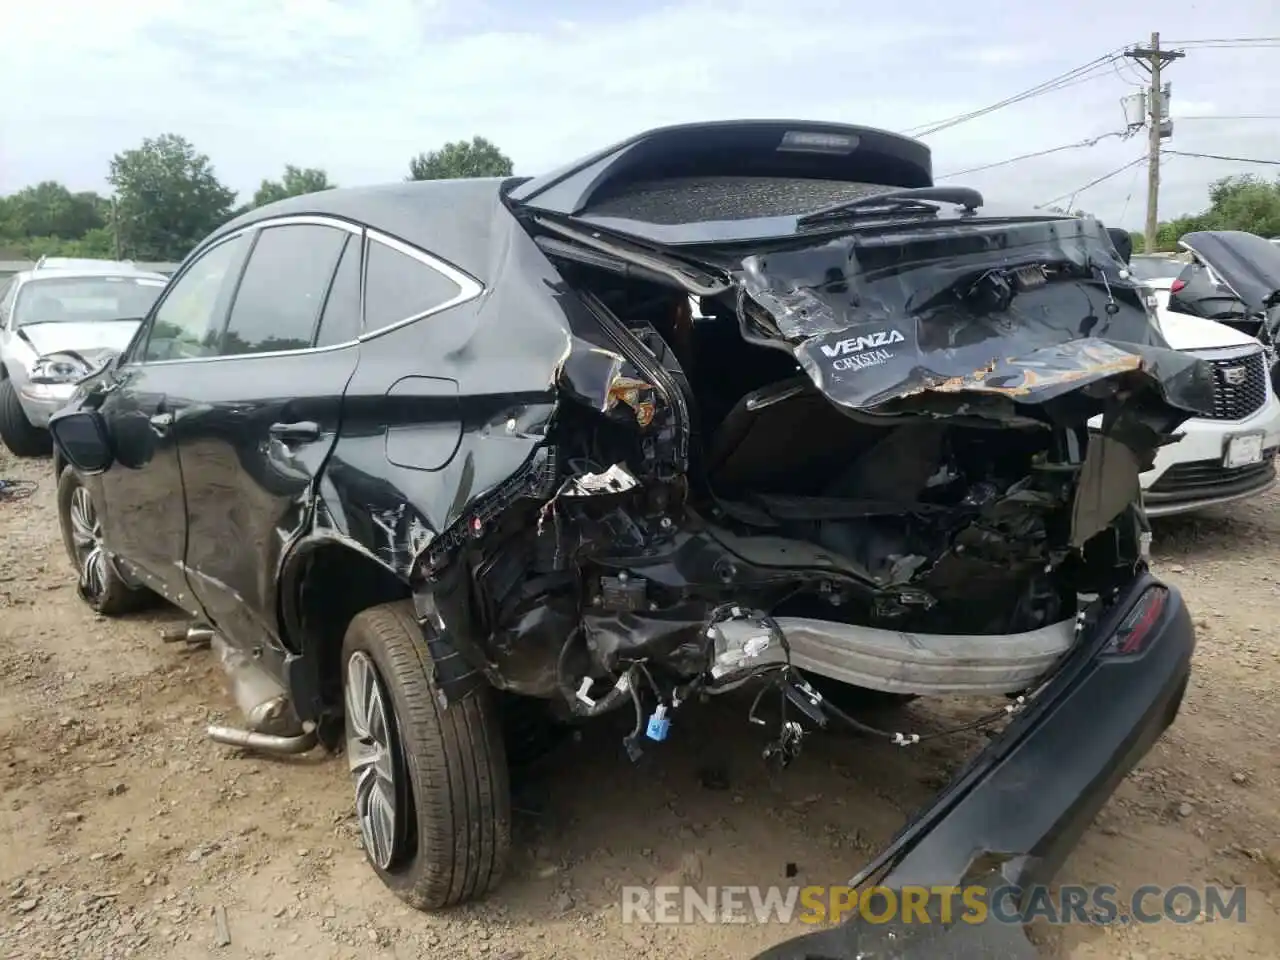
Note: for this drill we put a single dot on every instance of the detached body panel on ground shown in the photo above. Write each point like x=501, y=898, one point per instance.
x=717, y=404
x=1100, y=715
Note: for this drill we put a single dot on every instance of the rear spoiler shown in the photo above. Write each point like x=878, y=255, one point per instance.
x=754, y=148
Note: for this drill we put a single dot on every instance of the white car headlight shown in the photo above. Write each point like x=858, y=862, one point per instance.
x=58, y=368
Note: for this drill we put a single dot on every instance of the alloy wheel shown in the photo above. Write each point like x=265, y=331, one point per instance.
x=86, y=538
x=371, y=759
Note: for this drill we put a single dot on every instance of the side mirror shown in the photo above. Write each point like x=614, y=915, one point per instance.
x=81, y=437
x=103, y=365
x=1123, y=243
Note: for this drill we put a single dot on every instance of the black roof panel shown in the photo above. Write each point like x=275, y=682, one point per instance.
x=453, y=219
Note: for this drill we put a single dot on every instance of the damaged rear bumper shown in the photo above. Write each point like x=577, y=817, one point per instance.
x=1025, y=801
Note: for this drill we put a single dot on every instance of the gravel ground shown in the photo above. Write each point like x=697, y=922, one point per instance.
x=130, y=835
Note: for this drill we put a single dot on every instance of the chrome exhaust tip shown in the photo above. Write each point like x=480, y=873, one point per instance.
x=197, y=635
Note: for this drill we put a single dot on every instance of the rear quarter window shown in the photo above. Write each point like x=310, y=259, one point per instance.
x=400, y=286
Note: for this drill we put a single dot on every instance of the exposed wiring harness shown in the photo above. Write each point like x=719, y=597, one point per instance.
x=795, y=690
x=11, y=490
x=729, y=666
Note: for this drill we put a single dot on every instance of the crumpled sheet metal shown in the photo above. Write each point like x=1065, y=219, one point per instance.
x=878, y=341
x=1066, y=366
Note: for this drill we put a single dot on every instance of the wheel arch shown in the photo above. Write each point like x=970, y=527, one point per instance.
x=324, y=583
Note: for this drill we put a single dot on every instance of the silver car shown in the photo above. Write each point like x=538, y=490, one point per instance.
x=58, y=322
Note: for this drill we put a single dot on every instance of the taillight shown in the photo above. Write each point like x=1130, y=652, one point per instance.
x=1137, y=629
x=1177, y=285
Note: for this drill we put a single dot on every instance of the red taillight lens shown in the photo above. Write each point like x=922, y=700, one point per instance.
x=1177, y=285
x=1137, y=630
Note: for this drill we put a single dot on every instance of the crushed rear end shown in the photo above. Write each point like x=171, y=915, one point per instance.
x=874, y=432
x=853, y=445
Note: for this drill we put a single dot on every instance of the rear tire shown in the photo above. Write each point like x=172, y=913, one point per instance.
x=433, y=795
x=22, y=439
x=100, y=585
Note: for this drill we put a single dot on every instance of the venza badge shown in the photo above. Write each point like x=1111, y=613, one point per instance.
x=882, y=338
x=856, y=353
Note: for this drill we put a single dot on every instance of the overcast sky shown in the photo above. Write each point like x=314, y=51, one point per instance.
x=358, y=86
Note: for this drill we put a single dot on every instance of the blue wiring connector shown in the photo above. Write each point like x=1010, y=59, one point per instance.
x=659, y=724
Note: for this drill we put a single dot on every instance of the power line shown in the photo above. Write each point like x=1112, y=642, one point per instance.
x=1233, y=46
x=1081, y=74
x=1093, y=183
x=1223, y=40
x=1119, y=62
x=1259, y=45
x=938, y=127
x=1217, y=156
x=1086, y=71
x=1129, y=196
x=1238, y=116
x=1039, y=153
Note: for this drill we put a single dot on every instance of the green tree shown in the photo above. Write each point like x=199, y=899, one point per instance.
x=49, y=209
x=1244, y=202
x=295, y=182
x=459, y=160
x=97, y=243
x=167, y=198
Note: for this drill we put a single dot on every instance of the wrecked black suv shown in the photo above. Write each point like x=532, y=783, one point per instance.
x=744, y=402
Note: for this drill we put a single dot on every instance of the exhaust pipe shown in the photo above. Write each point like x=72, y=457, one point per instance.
x=265, y=742
x=196, y=635
x=199, y=634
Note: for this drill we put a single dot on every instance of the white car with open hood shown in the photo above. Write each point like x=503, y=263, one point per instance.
x=1229, y=456
x=58, y=322
x=1224, y=307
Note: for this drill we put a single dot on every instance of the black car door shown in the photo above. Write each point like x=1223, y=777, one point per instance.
x=259, y=422
x=143, y=512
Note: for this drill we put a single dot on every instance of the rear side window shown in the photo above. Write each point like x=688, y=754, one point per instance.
x=188, y=322
x=277, y=306
x=399, y=286
x=340, y=322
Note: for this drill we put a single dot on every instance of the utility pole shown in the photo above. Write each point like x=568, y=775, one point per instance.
x=1154, y=59
x=115, y=226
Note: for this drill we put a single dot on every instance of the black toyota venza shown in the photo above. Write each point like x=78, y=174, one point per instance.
x=728, y=403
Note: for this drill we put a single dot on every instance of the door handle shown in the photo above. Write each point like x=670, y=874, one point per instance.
x=303, y=431
x=161, y=422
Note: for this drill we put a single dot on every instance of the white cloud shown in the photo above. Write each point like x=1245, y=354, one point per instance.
x=998, y=55
x=357, y=86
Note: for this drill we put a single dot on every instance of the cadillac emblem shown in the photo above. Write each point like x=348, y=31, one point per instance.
x=1234, y=376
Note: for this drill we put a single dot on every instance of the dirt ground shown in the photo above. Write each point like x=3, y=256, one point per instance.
x=128, y=834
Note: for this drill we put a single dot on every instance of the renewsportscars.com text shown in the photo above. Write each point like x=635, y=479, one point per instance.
x=1100, y=904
